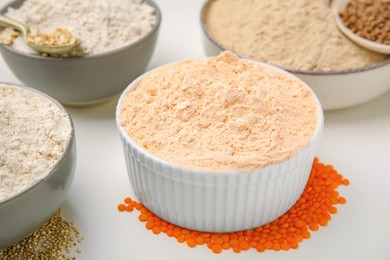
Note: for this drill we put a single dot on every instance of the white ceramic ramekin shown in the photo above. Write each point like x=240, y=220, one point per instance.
x=217, y=201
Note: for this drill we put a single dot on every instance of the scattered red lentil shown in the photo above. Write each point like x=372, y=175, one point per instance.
x=121, y=207
x=312, y=211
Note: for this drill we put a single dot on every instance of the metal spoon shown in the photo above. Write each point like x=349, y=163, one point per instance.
x=24, y=30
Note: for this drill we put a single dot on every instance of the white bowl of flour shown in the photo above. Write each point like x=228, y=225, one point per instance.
x=117, y=42
x=302, y=37
x=37, y=160
x=230, y=142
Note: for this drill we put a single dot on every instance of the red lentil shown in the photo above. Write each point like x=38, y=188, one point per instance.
x=121, y=207
x=311, y=212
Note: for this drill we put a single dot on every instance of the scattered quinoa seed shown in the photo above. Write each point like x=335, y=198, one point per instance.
x=311, y=212
x=54, y=240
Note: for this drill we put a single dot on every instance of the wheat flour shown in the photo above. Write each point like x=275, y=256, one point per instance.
x=101, y=25
x=34, y=133
x=300, y=34
x=222, y=114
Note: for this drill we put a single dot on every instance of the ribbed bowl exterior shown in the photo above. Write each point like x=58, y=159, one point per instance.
x=217, y=201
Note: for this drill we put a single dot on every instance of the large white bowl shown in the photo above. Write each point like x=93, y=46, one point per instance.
x=336, y=89
x=216, y=201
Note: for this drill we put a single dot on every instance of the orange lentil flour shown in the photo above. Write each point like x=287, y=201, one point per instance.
x=312, y=211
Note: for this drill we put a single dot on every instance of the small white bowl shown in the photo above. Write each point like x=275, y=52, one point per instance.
x=216, y=201
x=337, y=7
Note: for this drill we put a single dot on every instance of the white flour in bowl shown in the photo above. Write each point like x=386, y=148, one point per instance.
x=34, y=133
x=101, y=25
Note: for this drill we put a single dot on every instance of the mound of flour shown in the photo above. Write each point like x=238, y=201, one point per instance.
x=299, y=34
x=34, y=133
x=220, y=114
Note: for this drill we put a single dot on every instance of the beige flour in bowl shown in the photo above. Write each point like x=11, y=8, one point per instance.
x=221, y=114
x=34, y=133
x=298, y=34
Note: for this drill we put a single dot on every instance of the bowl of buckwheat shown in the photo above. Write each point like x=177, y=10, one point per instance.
x=116, y=42
x=301, y=37
x=37, y=160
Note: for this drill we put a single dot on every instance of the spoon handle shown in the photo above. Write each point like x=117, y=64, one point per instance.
x=6, y=21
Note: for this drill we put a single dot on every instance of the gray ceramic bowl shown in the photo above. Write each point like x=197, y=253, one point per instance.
x=23, y=213
x=83, y=80
x=336, y=89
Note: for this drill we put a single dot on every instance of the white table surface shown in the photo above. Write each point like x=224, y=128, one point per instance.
x=356, y=141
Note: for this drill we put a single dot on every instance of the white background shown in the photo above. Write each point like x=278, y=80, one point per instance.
x=356, y=141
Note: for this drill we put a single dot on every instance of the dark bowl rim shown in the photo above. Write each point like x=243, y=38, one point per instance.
x=103, y=54
x=67, y=149
x=292, y=70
